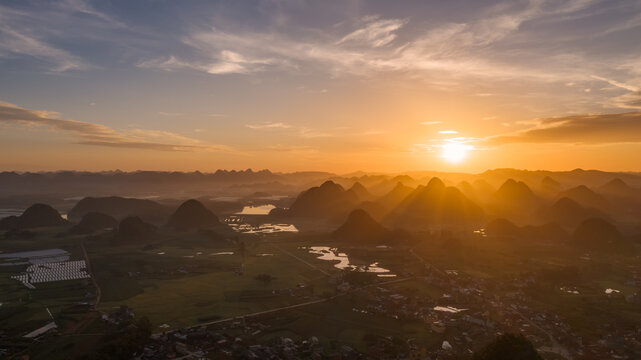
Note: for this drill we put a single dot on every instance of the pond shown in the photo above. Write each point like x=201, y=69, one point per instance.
x=332, y=254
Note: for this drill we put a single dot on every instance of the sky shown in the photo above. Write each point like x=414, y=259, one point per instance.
x=341, y=86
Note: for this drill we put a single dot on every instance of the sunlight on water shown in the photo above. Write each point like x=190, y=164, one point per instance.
x=256, y=210
x=331, y=254
x=448, y=309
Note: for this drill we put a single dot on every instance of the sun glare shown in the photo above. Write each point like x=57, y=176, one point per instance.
x=454, y=152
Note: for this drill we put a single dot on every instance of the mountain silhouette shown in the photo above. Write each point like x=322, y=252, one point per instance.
x=435, y=204
x=514, y=200
x=361, y=228
x=550, y=232
x=502, y=228
x=619, y=188
x=119, y=208
x=483, y=189
x=133, y=228
x=568, y=212
x=584, y=196
x=37, y=215
x=546, y=233
x=599, y=235
x=468, y=190
x=360, y=192
x=395, y=196
x=550, y=186
x=330, y=200
x=192, y=214
x=94, y=221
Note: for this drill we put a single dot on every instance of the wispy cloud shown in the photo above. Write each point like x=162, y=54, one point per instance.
x=582, y=129
x=430, y=123
x=18, y=42
x=268, y=125
x=37, y=32
x=170, y=114
x=100, y=135
x=291, y=148
x=449, y=50
x=376, y=32
x=630, y=100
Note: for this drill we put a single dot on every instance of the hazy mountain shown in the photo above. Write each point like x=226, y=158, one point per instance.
x=435, y=204
x=94, y=221
x=572, y=178
x=468, y=190
x=395, y=196
x=329, y=200
x=133, y=228
x=550, y=186
x=502, y=228
x=483, y=190
x=37, y=215
x=192, y=214
x=119, y=208
x=549, y=232
x=599, y=235
x=619, y=191
x=361, y=228
x=584, y=196
x=514, y=200
x=360, y=192
x=568, y=212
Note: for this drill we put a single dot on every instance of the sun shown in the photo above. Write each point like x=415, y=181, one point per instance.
x=454, y=152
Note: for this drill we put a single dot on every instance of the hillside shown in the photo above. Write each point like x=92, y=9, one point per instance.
x=330, y=200
x=435, y=204
x=119, y=208
x=94, y=221
x=37, y=215
x=192, y=214
x=361, y=228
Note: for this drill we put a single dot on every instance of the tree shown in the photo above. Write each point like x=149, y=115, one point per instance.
x=508, y=347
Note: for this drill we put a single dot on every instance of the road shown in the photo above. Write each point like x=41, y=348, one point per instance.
x=291, y=306
x=93, y=278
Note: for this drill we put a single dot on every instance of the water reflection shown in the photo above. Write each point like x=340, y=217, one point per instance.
x=331, y=254
x=450, y=309
x=256, y=210
x=569, y=290
x=263, y=228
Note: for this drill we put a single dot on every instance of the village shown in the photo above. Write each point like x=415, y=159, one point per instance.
x=470, y=312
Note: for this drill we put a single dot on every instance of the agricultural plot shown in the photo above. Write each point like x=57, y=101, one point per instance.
x=54, y=271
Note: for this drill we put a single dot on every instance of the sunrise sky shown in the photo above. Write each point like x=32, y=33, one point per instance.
x=382, y=86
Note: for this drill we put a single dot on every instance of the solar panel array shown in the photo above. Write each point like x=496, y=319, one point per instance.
x=53, y=271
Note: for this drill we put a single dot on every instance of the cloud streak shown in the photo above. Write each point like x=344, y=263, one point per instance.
x=376, y=33
x=100, y=135
x=268, y=125
x=579, y=129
